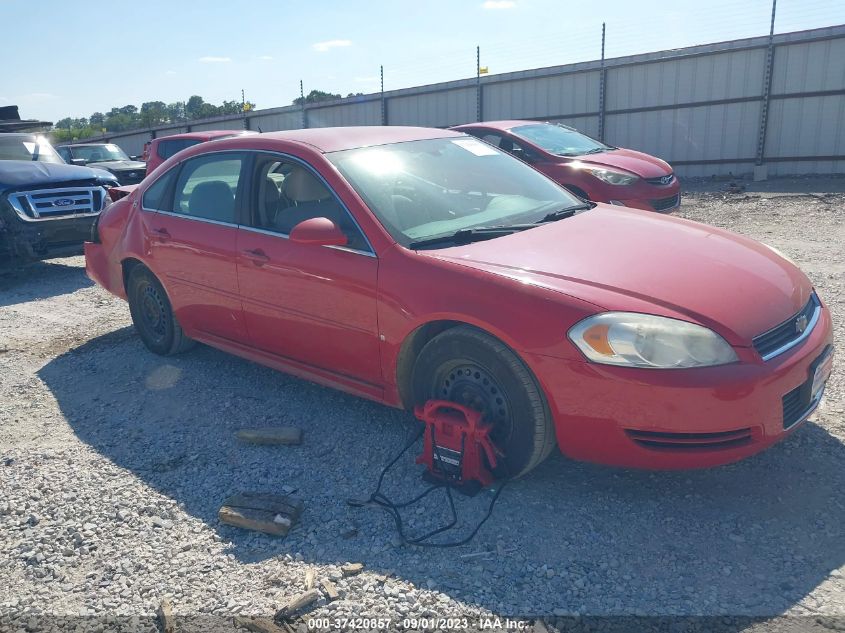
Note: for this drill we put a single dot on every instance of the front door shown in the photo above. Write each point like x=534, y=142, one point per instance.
x=312, y=304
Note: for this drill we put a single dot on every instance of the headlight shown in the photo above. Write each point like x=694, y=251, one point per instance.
x=644, y=340
x=107, y=201
x=613, y=177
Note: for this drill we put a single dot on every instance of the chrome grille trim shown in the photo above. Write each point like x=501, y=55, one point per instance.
x=766, y=354
x=38, y=205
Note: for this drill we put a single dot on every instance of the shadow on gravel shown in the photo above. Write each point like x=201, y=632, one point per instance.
x=753, y=538
x=41, y=280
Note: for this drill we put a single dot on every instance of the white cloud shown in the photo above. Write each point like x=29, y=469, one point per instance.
x=498, y=4
x=265, y=57
x=210, y=59
x=323, y=47
x=170, y=72
x=40, y=95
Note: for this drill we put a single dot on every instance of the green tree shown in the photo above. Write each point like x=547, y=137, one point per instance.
x=315, y=96
x=153, y=113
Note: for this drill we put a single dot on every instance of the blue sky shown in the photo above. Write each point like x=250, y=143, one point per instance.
x=81, y=56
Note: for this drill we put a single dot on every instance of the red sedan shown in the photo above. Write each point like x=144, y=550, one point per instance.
x=588, y=168
x=408, y=264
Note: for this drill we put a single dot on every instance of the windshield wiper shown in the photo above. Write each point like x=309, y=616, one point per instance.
x=566, y=212
x=597, y=150
x=475, y=234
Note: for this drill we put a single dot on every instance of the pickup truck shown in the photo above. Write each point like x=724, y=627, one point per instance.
x=47, y=207
x=107, y=156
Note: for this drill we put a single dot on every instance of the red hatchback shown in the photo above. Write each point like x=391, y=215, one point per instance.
x=585, y=166
x=409, y=264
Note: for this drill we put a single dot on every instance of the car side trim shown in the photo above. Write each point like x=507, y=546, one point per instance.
x=285, y=236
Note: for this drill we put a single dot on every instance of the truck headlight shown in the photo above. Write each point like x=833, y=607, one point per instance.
x=643, y=340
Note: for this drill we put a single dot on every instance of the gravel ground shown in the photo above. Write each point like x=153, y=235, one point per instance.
x=115, y=462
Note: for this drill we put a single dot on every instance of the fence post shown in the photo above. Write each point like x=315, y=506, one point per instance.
x=760, y=171
x=383, y=102
x=479, y=103
x=304, y=113
x=602, y=86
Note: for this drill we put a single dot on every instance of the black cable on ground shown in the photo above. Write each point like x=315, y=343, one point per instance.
x=380, y=500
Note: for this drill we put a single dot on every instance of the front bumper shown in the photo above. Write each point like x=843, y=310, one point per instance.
x=30, y=241
x=676, y=419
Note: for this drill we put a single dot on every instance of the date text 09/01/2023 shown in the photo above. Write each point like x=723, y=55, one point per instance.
x=418, y=624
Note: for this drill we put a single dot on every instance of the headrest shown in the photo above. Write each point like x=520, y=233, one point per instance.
x=301, y=186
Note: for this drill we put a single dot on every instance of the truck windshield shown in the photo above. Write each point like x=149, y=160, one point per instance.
x=98, y=153
x=559, y=140
x=13, y=147
x=423, y=189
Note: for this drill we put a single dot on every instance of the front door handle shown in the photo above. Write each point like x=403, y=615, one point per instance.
x=161, y=234
x=256, y=256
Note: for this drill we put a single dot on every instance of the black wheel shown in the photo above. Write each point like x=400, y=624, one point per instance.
x=470, y=367
x=152, y=315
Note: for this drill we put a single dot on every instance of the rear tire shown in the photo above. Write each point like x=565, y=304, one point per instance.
x=152, y=314
x=468, y=366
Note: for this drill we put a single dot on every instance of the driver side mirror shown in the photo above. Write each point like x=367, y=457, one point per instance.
x=78, y=161
x=318, y=232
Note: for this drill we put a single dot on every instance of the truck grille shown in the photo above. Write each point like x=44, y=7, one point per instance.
x=666, y=203
x=789, y=333
x=51, y=204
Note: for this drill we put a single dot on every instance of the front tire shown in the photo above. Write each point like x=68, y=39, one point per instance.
x=152, y=314
x=470, y=367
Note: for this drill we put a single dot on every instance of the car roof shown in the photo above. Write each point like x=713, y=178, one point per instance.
x=88, y=144
x=335, y=139
x=498, y=125
x=205, y=135
x=19, y=135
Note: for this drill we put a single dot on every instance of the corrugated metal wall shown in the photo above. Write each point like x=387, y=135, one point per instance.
x=700, y=108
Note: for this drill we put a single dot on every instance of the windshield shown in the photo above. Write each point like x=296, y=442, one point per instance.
x=28, y=148
x=98, y=153
x=423, y=189
x=560, y=140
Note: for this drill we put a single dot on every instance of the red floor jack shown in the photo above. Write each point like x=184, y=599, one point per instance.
x=457, y=449
x=458, y=455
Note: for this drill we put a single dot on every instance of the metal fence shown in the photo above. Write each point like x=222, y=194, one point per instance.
x=771, y=105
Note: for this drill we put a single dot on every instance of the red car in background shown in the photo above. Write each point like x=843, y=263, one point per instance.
x=588, y=168
x=158, y=150
x=410, y=264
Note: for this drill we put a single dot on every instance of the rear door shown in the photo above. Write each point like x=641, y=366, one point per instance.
x=311, y=304
x=192, y=233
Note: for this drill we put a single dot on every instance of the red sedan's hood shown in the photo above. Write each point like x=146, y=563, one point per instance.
x=637, y=261
x=643, y=165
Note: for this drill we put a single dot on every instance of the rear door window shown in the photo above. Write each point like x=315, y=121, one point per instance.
x=156, y=197
x=166, y=149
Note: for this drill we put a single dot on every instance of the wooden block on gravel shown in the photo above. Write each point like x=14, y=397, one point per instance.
x=258, y=625
x=261, y=511
x=351, y=569
x=297, y=604
x=165, y=616
x=271, y=435
x=329, y=589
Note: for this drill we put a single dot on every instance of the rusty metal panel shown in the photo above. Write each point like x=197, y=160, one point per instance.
x=433, y=109
x=575, y=93
x=729, y=75
x=360, y=113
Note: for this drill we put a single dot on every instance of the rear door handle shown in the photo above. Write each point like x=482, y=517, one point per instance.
x=256, y=256
x=161, y=234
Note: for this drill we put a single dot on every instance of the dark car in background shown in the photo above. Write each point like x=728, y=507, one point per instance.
x=106, y=156
x=588, y=168
x=47, y=208
x=159, y=150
